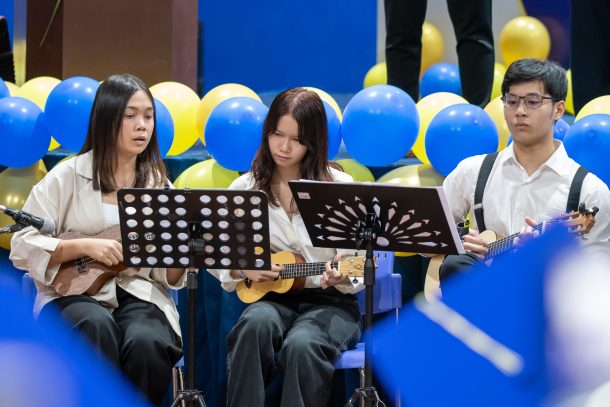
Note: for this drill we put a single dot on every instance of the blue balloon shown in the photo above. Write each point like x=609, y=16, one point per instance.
x=234, y=132
x=165, y=127
x=560, y=130
x=588, y=143
x=68, y=109
x=23, y=133
x=457, y=132
x=380, y=125
x=334, y=131
x=441, y=77
x=4, y=92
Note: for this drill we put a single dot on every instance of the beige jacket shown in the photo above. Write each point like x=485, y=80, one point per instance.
x=66, y=195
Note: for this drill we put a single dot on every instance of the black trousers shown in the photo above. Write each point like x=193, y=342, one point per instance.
x=590, y=50
x=300, y=337
x=136, y=337
x=475, y=46
x=456, y=262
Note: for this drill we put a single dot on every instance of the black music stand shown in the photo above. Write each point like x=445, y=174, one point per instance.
x=376, y=217
x=192, y=228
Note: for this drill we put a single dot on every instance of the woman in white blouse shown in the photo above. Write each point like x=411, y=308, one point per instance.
x=132, y=319
x=298, y=335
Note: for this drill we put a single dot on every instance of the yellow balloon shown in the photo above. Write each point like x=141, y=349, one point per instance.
x=417, y=175
x=432, y=46
x=12, y=88
x=427, y=108
x=206, y=174
x=499, y=71
x=524, y=37
x=358, y=171
x=377, y=75
x=53, y=145
x=495, y=110
x=328, y=99
x=37, y=89
x=598, y=105
x=216, y=96
x=15, y=187
x=182, y=103
x=570, y=95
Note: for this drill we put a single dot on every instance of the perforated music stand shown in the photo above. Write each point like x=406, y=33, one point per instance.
x=192, y=228
x=376, y=217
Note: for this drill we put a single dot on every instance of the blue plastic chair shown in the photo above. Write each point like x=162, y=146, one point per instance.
x=387, y=296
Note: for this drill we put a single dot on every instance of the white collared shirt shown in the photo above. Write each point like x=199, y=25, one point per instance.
x=67, y=196
x=291, y=235
x=511, y=195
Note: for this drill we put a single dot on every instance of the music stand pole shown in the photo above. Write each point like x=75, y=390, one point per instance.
x=376, y=217
x=192, y=228
x=366, y=235
x=190, y=394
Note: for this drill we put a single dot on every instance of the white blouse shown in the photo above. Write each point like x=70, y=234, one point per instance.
x=291, y=235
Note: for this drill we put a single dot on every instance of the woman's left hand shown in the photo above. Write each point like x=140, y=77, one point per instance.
x=331, y=276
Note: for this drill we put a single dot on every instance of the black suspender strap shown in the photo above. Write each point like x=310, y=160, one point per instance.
x=488, y=163
x=574, y=195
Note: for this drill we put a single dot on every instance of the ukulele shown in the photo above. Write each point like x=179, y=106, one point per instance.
x=292, y=279
x=579, y=222
x=85, y=275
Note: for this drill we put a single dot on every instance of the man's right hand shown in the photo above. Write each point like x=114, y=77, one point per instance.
x=474, y=244
x=260, y=275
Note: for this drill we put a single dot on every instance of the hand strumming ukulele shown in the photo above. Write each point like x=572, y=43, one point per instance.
x=292, y=279
x=84, y=275
x=579, y=222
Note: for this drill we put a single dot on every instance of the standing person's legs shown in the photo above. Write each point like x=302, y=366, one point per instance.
x=311, y=348
x=252, y=344
x=91, y=319
x=471, y=21
x=590, y=50
x=403, y=21
x=149, y=349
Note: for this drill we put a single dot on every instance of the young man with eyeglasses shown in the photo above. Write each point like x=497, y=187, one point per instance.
x=530, y=180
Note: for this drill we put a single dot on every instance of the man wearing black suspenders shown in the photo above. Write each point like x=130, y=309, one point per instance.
x=533, y=179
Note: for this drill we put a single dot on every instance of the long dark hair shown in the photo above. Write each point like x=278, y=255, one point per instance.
x=102, y=135
x=307, y=109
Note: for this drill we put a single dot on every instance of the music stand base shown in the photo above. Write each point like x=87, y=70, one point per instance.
x=367, y=394
x=188, y=396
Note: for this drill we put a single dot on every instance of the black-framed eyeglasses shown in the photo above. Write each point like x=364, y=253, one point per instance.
x=531, y=101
